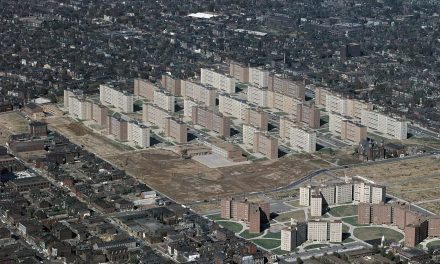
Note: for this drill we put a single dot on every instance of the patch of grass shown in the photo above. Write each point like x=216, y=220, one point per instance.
x=273, y=235
x=247, y=235
x=433, y=244
x=344, y=210
x=234, y=227
x=345, y=228
x=278, y=251
x=316, y=246
x=348, y=240
x=372, y=233
x=299, y=215
x=352, y=220
x=267, y=243
x=214, y=217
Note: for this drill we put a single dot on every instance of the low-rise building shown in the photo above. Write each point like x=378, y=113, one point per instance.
x=226, y=150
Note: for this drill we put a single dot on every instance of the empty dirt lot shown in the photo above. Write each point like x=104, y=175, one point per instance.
x=188, y=180
x=416, y=180
x=11, y=123
x=81, y=135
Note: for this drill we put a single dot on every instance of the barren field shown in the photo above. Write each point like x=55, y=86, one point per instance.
x=82, y=135
x=188, y=180
x=415, y=180
x=11, y=123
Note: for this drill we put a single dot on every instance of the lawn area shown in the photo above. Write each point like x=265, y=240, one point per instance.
x=234, y=227
x=294, y=203
x=345, y=228
x=273, y=235
x=433, y=244
x=214, y=217
x=348, y=240
x=267, y=243
x=316, y=246
x=344, y=210
x=247, y=235
x=373, y=233
x=278, y=251
x=299, y=215
x=352, y=220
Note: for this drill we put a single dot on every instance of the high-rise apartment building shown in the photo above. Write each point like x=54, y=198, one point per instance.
x=100, y=114
x=118, y=127
x=343, y=193
x=285, y=124
x=369, y=193
x=309, y=114
x=211, y=120
x=303, y=139
x=188, y=107
x=346, y=129
x=255, y=214
x=239, y=71
x=144, y=88
x=416, y=232
x=316, y=203
x=217, y=80
x=164, y=100
x=154, y=115
x=291, y=88
x=248, y=135
x=265, y=144
x=321, y=230
x=172, y=84
x=385, y=124
x=232, y=106
x=119, y=99
x=176, y=129
x=304, y=195
x=199, y=92
x=293, y=236
x=138, y=133
x=255, y=116
x=257, y=96
x=282, y=102
x=259, y=77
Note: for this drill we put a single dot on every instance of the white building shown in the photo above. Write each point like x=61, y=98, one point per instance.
x=384, y=124
x=187, y=107
x=257, y=96
x=369, y=193
x=232, y=106
x=119, y=99
x=248, y=134
x=258, y=77
x=322, y=230
x=198, y=92
x=217, y=80
x=303, y=139
x=164, y=100
x=138, y=134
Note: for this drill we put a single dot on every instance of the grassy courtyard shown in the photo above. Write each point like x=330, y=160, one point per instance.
x=434, y=244
x=214, y=217
x=299, y=215
x=345, y=210
x=267, y=243
x=234, y=227
x=374, y=233
x=352, y=220
x=245, y=234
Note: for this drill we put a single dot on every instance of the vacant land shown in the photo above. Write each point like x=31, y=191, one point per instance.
x=374, y=233
x=187, y=180
x=12, y=123
x=82, y=135
x=345, y=210
x=416, y=180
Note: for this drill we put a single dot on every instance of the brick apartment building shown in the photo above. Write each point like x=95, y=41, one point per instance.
x=265, y=144
x=255, y=214
x=211, y=120
x=172, y=84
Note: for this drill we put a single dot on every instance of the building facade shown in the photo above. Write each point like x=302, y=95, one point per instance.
x=210, y=120
x=119, y=99
x=303, y=139
x=199, y=92
x=217, y=80
x=265, y=144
